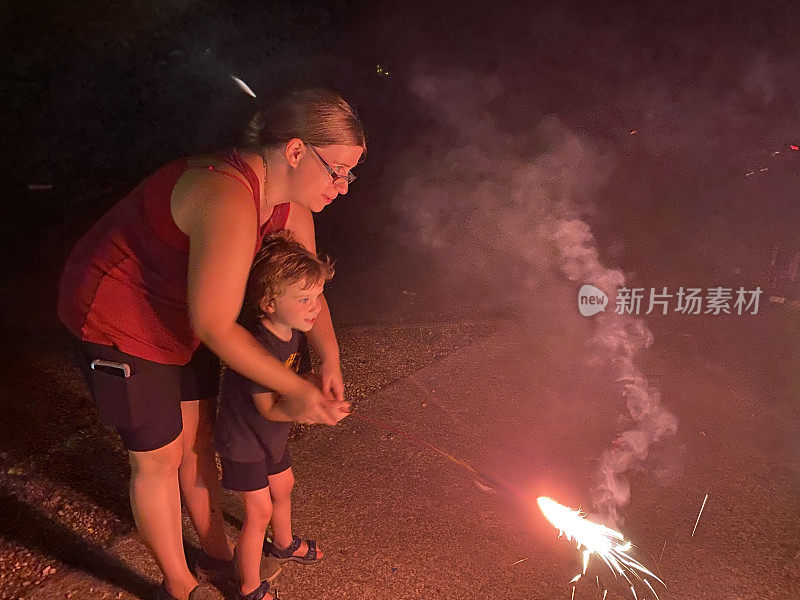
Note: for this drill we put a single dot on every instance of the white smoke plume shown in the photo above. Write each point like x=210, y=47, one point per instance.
x=616, y=340
x=503, y=216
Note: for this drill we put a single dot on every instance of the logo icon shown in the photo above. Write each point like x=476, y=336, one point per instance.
x=591, y=300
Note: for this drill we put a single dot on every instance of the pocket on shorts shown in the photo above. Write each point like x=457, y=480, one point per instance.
x=117, y=399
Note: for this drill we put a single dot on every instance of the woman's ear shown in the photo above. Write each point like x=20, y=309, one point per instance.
x=295, y=148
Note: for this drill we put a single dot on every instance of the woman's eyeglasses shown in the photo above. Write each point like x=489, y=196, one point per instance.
x=335, y=176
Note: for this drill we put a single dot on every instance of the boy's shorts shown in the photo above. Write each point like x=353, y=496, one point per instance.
x=145, y=407
x=252, y=476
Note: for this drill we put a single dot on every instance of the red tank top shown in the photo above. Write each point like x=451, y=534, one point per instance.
x=125, y=281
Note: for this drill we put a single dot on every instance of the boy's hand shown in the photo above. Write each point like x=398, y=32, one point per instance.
x=307, y=405
x=324, y=409
x=327, y=412
x=338, y=409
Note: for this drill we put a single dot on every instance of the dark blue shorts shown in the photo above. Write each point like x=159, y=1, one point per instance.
x=145, y=408
x=252, y=476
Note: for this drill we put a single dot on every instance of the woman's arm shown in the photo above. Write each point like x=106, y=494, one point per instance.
x=323, y=340
x=222, y=238
x=321, y=336
x=273, y=407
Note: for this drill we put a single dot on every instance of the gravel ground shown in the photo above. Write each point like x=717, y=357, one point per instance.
x=399, y=522
x=63, y=490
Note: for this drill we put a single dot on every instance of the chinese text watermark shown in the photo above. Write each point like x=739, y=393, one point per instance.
x=687, y=301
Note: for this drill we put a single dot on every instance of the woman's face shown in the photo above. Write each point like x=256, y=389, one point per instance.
x=312, y=185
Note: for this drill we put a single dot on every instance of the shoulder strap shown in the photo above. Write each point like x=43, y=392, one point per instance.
x=246, y=176
x=235, y=159
x=248, y=179
x=277, y=220
x=221, y=172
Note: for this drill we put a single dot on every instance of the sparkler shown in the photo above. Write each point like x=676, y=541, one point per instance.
x=485, y=480
x=592, y=538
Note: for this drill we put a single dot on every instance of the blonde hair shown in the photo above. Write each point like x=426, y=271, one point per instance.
x=317, y=116
x=279, y=263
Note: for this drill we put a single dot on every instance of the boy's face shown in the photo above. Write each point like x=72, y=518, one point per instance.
x=297, y=306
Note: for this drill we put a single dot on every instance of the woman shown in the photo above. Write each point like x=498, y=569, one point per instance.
x=164, y=270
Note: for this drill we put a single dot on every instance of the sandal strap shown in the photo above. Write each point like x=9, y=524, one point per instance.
x=262, y=590
x=296, y=543
x=259, y=592
x=287, y=552
x=312, y=550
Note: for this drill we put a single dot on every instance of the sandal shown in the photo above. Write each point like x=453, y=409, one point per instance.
x=286, y=554
x=256, y=594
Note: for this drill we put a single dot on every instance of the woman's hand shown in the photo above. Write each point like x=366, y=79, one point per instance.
x=331, y=407
x=331, y=382
x=314, y=406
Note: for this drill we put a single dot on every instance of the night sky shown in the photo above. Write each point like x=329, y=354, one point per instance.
x=98, y=94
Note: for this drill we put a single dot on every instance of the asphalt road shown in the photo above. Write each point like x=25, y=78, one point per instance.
x=399, y=521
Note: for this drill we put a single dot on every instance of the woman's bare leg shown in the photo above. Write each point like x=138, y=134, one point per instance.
x=156, y=504
x=280, y=489
x=199, y=480
x=250, y=543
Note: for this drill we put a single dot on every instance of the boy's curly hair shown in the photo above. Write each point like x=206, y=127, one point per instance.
x=280, y=262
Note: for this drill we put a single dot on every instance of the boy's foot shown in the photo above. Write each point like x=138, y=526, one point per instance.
x=260, y=593
x=303, y=551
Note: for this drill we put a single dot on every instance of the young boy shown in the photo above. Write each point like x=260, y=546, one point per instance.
x=282, y=300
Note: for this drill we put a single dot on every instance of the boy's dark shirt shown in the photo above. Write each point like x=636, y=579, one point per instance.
x=241, y=434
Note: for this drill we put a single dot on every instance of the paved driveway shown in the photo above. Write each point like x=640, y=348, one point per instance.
x=399, y=521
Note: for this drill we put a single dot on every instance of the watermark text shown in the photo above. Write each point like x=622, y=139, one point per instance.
x=687, y=301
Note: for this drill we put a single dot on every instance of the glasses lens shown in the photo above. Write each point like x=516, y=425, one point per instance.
x=349, y=178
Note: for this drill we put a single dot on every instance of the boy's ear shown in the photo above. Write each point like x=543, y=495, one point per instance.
x=267, y=306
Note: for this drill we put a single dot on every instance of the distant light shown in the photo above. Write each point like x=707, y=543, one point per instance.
x=243, y=86
x=382, y=71
x=634, y=131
